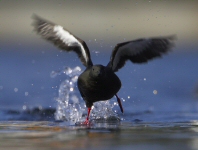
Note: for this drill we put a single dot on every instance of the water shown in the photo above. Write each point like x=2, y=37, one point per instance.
x=52, y=135
x=39, y=110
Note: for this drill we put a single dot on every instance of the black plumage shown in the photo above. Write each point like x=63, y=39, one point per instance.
x=98, y=82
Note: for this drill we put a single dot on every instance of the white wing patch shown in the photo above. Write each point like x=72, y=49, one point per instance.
x=69, y=39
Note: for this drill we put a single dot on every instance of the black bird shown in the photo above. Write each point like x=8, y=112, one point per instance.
x=98, y=82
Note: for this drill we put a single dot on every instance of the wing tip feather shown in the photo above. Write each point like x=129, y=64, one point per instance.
x=45, y=28
x=158, y=46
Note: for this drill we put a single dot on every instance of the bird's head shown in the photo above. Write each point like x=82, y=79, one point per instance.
x=97, y=72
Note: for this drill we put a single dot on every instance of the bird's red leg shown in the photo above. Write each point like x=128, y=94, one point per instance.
x=88, y=114
x=119, y=103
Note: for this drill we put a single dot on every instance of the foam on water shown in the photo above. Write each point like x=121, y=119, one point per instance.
x=70, y=105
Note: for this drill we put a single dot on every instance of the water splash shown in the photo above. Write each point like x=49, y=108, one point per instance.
x=103, y=111
x=70, y=105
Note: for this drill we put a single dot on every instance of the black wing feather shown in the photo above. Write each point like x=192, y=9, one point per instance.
x=139, y=51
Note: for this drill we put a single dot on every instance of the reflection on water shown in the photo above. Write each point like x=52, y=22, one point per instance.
x=125, y=135
x=142, y=130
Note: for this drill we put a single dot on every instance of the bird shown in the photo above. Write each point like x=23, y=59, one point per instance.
x=99, y=82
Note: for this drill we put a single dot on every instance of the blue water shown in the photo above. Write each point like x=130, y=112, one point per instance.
x=159, y=100
x=160, y=87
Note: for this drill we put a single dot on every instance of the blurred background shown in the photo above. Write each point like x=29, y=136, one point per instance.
x=26, y=60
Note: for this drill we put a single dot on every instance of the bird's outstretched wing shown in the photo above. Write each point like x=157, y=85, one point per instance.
x=62, y=39
x=139, y=51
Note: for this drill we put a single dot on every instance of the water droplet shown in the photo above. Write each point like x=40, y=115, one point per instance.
x=24, y=107
x=26, y=93
x=53, y=74
x=16, y=89
x=123, y=99
x=40, y=107
x=96, y=52
x=155, y=92
x=74, y=79
x=74, y=98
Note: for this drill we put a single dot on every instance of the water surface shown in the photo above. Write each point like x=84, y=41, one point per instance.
x=124, y=135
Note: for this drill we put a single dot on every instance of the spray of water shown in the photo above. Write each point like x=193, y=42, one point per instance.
x=71, y=107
